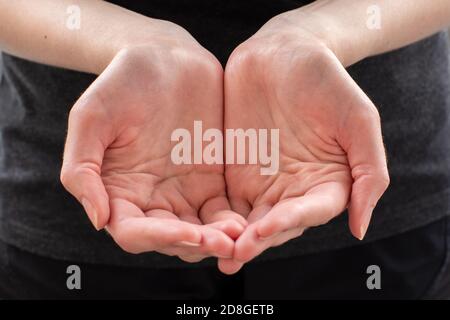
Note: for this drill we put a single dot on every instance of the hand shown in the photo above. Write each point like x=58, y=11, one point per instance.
x=117, y=158
x=331, y=150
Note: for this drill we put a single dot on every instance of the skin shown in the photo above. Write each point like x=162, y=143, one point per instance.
x=331, y=146
x=289, y=75
x=117, y=158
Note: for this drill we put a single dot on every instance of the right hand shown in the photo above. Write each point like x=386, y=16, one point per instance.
x=117, y=156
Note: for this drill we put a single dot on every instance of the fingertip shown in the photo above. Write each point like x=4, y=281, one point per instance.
x=216, y=243
x=223, y=215
x=97, y=212
x=239, y=219
x=86, y=185
x=356, y=232
x=231, y=228
x=246, y=247
x=229, y=266
x=360, y=223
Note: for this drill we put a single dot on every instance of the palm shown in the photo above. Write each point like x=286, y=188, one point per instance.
x=137, y=169
x=310, y=98
x=310, y=157
x=138, y=104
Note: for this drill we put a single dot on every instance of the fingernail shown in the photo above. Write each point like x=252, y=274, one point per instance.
x=91, y=212
x=187, y=244
x=365, y=225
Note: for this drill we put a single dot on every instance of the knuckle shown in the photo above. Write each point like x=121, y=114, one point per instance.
x=66, y=175
x=73, y=172
x=87, y=109
x=381, y=177
x=369, y=113
x=374, y=113
x=384, y=179
x=242, y=59
x=378, y=177
x=316, y=57
x=202, y=67
x=213, y=67
x=207, y=68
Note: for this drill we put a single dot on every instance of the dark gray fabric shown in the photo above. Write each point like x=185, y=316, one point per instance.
x=409, y=86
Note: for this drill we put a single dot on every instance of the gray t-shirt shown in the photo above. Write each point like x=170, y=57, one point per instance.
x=410, y=87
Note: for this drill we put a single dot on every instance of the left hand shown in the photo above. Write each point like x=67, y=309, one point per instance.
x=331, y=152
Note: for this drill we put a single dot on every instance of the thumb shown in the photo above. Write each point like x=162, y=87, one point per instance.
x=87, y=139
x=363, y=142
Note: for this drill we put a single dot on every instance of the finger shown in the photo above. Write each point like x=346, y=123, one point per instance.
x=190, y=218
x=187, y=252
x=229, y=266
x=284, y=237
x=231, y=228
x=316, y=207
x=136, y=233
x=163, y=214
x=258, y=212
x=218, y=209
x=222, y=216
x=229, y=222
x=241, y=206
x=362, y=140
x=180, y=249
x=251, y=245
x=87, y=138
x=216, y=213
x=192, y=259
x=216, y=243
x=182, y=252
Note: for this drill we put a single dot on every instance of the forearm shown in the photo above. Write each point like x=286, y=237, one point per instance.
x=346, y=25
x=37, y=30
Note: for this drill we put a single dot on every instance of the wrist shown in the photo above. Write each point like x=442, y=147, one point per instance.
x=142, y=32
x=348, y=43
x=132, y=34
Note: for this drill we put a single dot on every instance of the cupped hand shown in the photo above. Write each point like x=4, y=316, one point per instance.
x=117, y=160
x=331, y=153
